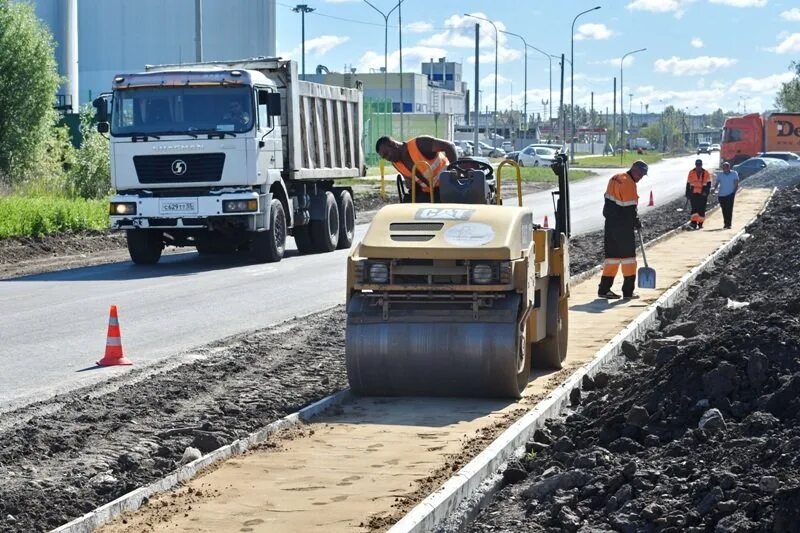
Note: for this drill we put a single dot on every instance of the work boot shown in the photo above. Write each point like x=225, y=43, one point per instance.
x=693, y=225
x=628, y=285
x=608, y=295
x=700, y=226
x=631, y=296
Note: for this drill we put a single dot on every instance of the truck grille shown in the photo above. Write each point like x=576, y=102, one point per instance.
x=179, y=168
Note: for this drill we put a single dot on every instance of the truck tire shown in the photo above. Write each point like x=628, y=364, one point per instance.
x=144, y=246
x=347, y=219
x=325, y=232
x=303, y=240
x=269, y=246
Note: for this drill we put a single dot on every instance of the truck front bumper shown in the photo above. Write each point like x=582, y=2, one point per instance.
x=184, y=211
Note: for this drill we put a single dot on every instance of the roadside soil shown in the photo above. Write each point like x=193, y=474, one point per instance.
x=65, y=456
x=699, y=430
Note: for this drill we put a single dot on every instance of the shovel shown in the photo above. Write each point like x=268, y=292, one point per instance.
x=681, y=209
x=646, y=275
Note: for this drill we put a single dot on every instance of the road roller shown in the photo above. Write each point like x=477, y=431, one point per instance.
x=460, y=297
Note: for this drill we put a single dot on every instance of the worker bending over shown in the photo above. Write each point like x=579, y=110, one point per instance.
x=698, y=187
x=622, y=219
x=437, y=153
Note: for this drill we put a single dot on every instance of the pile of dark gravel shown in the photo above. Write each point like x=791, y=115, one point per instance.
x=700, y=428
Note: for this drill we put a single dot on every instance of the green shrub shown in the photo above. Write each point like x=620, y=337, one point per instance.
x=35, y=217
x=90, y=176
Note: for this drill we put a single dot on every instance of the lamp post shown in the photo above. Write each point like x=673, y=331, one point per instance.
x=621, y=98
x=561, y=111
x=386, y=49
x=525, y=90
x=572, y=80
x=494, y=139
x=550, y=60
x=303, y=9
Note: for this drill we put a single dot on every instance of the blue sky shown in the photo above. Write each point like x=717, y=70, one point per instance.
x=701, y=54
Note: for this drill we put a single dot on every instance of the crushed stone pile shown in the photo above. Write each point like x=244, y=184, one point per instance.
x=699, y=430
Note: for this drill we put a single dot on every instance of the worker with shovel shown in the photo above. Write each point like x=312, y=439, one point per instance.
x=698, y=187
x=622, y=221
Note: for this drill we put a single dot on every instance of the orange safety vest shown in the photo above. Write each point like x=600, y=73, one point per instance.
x=697, y=182
x=435, y=165
x=622, y=190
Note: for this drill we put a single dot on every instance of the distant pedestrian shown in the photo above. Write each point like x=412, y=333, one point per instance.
x=698, y=187
x=727, y=185
x=622, y=220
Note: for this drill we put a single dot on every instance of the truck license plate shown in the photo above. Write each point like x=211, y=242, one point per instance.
x=169, y=207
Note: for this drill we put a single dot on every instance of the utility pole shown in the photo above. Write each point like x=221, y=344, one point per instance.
x=572, y=81
x=303, y=9
x=591, y=119
x=496, y=44
x=475, y=145
x=561, y=107
x=400, y=43
x=198, y=31
x=615, y=105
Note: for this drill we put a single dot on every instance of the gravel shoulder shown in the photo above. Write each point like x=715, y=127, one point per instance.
x=698, y=430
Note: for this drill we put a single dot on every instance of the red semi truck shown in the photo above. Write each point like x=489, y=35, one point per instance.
x=747, y=136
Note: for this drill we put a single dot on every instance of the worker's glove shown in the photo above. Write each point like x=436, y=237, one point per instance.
x=637, y=224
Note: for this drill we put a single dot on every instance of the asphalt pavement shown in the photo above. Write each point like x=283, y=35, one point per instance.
x=53, y=326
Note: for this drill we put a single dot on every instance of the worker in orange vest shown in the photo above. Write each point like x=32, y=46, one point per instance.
x=698, y=187
x=622, y=220
x=437, y=153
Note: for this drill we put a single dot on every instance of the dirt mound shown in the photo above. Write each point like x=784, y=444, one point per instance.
x=699, y=430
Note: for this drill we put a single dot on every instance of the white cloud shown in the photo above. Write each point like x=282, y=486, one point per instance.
x=760, y=85
x=318, y=45
x=692, y=67
x=489, y=80
x=790, y=44
x=660, y=6
x=791, y=15
x=697, y=42
x=740, y=3
x=460, y=33
x=418, y=27
x=412, y=56
x=591, y=31
x=614, y=61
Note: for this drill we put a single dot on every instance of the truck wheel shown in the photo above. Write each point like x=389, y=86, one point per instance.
x=347, y=219
x=303, y=240
x=144, y=246
x=325, y=232
x=268, y=246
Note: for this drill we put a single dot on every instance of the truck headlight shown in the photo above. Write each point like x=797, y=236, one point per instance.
x=239, y=206
x=482, y=274
x=122, y=208
x=379, y=273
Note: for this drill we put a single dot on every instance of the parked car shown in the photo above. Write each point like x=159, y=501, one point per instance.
x=756, y=164
x=715, y=147
x=790, y=157
x=512, y=155
x=488, y=150
x=536, y=156
x=508, y=146
x=703, y=148
x=465, y=146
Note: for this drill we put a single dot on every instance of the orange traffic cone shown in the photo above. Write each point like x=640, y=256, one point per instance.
x=651, y=203
x=545, y=225
x=113, y=355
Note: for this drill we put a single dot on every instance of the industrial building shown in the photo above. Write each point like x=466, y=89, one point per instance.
x=96, y=39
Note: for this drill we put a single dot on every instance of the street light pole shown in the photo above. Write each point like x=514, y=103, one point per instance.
x=621, y=99
x=303, y=9
x=386, y=52
x=572, y=81
x=550, y=60
x=525, y=97
x=494, y=139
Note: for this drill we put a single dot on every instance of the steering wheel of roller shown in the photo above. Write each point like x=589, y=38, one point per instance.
x=464, y=165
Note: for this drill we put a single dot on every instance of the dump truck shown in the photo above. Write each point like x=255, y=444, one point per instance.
x=231, y=156
x=747, y=136
x=458, y=298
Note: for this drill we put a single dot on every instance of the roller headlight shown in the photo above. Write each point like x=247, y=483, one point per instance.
x=122, y=208
x=482, y=274
x=379, y=273
x=239, y=206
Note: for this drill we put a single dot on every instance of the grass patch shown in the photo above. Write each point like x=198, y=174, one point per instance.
x=542, y=175
x=616, y=161
x=22, y=216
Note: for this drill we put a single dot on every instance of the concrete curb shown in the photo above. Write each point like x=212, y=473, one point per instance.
x=134, y=499
x=453, y=504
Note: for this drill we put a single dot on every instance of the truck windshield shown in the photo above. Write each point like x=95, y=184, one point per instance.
x=182, y=110
x=730, y=135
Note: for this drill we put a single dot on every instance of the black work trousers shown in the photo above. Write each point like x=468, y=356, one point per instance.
x=726, y=204
x=699, y=203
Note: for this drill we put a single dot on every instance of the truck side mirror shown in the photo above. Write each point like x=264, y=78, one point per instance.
x=101, y=105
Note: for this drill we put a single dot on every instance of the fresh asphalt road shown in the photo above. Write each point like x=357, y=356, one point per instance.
x=53, y=326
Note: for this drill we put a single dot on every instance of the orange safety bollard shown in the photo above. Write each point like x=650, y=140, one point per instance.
x=651, y=203
x=113, y=355
x=545, y=225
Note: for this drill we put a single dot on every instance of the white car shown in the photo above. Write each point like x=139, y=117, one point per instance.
x=536, y=156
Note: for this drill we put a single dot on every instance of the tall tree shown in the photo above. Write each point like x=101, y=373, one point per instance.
x=28, y=83
x=788, y=97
